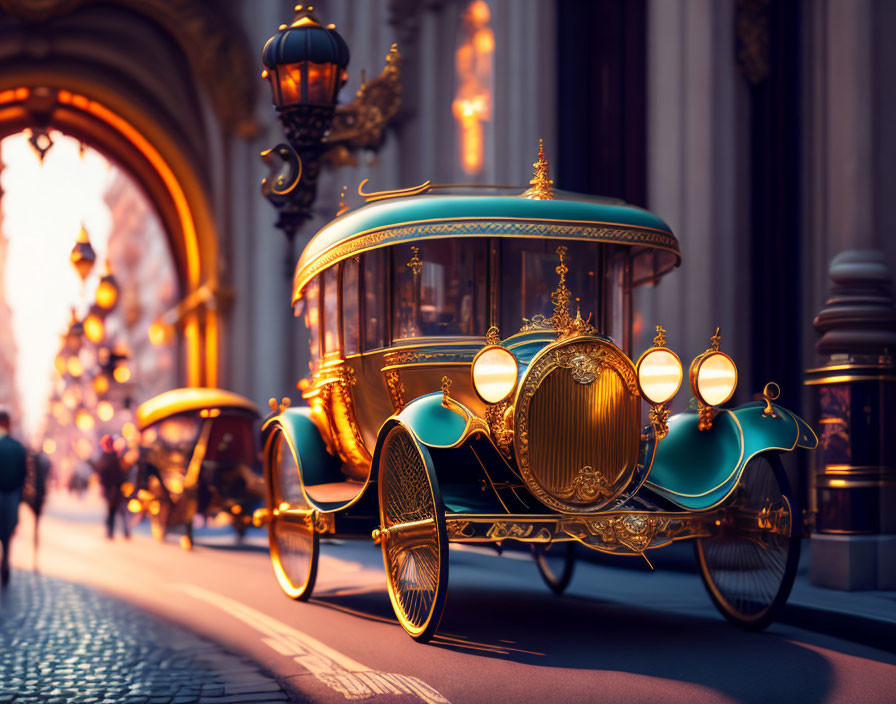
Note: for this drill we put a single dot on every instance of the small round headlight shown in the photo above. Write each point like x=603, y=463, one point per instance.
x=659, y=375
x=495, y=372
x=713, y=378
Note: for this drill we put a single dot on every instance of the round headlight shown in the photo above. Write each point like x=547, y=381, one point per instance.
x=659, y=374
x=495, y=373
x=713, y=378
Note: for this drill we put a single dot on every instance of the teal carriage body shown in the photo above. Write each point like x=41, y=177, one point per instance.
x=473, y=380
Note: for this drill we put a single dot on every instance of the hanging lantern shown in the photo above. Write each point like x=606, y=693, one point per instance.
x=74, y=335
x=94, y=325
x=83, y=256
x=305, y=63
x=107, y=291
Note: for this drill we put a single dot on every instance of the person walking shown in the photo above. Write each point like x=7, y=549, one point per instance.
x=112, y=475
x=13, y=468
x=34, y=492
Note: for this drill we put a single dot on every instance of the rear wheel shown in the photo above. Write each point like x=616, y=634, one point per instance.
x=555, y=563
x=413, y=535
x=294, y=544
x=749, y=565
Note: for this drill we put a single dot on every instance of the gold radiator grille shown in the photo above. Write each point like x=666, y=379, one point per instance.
x=578, y=425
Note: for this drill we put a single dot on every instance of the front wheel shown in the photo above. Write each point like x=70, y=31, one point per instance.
x=749, y=564
x=412, y=534
x=555, y=563
x=293, y=541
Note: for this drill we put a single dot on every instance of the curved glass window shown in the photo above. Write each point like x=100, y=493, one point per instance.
x=529, y=276
x=351, y=331
x=310, y=304
x=330, y=309
x=373, y=298
x=438, y=288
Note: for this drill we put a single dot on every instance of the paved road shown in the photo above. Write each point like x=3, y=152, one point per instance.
x=619, y=635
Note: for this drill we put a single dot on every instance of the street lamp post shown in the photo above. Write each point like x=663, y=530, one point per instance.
x=305, y=65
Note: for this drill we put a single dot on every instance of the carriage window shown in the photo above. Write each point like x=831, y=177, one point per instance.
x=312, y=319
x=374, y=299
x=529, y=277
x=618, y=298
x=438, y=288
x=331, y=309
x=350, y=320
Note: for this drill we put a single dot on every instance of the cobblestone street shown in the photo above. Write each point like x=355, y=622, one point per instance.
x=66, y=643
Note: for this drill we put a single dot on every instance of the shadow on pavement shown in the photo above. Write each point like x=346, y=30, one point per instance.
x=532, y=627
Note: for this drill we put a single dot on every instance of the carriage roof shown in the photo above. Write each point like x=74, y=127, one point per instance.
x=567, y=216
x=184, y=400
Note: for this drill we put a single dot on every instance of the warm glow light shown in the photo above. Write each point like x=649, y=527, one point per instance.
x=494, y=373
x=84, y=420
x=74, y=367
x=716, y=379
x=130, y=432
x=94, y=328
x=659, y=375
x=473, y=97
x=101, y=384
x=160, y=334
x=49, y=446
x=134, y=506
x=105, y=411
x=71, y=397
x=107, y=291
x=121, y=373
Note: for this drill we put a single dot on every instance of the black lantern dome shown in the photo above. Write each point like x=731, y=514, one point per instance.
x=305, y=62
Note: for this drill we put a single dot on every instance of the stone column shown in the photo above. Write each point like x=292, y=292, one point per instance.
x=854, y=389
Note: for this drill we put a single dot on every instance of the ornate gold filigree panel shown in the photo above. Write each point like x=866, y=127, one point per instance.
x=332, y=406
x=577, y=425
x=634, y=532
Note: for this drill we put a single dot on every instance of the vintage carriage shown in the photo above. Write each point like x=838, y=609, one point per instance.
x=425, y=425
x=198, y=455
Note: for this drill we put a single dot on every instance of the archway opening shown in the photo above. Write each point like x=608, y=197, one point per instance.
x=76, y=383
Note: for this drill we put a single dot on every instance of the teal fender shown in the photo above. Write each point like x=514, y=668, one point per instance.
x=698, y=469
x=316, y=465
x=437, y=423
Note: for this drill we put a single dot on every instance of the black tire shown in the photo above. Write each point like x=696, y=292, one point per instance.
x=294, y=544
x=749, y=570
x=416, y=560
x=556, y=563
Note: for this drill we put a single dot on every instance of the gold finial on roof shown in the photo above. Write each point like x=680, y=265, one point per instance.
x=660, y=339
x=541, y=185
x=561, y=295
x=715, y=341
x=493, y=336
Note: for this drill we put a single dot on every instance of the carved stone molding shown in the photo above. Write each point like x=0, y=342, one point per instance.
x=215, y=47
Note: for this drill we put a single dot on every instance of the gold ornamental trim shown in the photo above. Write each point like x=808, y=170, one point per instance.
x=588, y=230
x=587, y=358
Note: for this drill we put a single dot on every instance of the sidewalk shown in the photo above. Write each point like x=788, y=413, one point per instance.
x=66, y=643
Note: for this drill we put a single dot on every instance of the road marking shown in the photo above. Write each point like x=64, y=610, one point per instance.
x=337, y=671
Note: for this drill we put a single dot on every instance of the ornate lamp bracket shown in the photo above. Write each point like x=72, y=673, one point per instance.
x=331, y=135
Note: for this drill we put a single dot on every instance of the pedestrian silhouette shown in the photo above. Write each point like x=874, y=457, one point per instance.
x=34, y=492
x=111, y=473
x=13, y=468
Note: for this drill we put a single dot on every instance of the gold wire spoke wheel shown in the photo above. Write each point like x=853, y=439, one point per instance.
x=294, y=544
x=555, y=563
x=415, y=546
x=749, y=565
